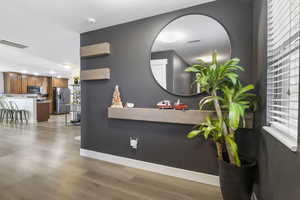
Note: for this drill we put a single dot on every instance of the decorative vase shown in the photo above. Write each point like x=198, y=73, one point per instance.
x=76, y=81
x=237, y=182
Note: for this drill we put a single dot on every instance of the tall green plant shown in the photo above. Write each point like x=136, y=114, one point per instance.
x=230, y=101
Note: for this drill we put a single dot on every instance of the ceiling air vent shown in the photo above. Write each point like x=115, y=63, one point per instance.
x=13, y=44
x=193, y=41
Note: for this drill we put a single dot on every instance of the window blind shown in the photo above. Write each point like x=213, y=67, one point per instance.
x=283, y=67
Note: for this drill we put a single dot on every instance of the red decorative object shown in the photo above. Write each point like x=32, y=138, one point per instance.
x=180, y=106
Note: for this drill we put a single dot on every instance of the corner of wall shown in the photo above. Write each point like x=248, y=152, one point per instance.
x=1, y=83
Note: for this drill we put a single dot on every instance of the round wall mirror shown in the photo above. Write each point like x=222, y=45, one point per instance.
x=180, y=44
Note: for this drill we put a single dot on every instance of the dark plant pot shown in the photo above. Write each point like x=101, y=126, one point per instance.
x=76, y=82
x=236, y=182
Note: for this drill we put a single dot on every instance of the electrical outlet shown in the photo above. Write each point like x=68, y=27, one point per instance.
x=133, y=142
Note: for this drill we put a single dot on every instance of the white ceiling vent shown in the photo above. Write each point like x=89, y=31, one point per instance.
x=193, y=41
x=13, y=44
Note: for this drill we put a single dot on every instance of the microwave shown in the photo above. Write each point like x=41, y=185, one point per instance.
x=33, y=90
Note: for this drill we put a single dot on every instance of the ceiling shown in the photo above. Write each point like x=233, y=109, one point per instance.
x=193, y=37
x=51, y=29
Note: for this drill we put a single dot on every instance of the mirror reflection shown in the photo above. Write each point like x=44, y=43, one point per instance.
x=180, y=44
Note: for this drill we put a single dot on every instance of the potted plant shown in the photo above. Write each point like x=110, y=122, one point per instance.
x=230, y=100
x=76, y=80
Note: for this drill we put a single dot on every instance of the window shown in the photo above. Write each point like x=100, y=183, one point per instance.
x=283, y=70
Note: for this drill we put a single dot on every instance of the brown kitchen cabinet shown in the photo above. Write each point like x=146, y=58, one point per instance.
x=31, y=81
x=43, y=112
x=38, y=81
x=16, y=83
x=12, y=83
x=60, y=82
x=24, y=84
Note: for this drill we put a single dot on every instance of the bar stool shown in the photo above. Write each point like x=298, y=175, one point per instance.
x=2, y=112
x=18, y=114
x=6, y=112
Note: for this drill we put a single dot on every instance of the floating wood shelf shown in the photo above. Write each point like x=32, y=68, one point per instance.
x=95, y=74
x=190, y=117
x=95, y=50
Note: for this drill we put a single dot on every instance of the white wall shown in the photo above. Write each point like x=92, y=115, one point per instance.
x=1, y=83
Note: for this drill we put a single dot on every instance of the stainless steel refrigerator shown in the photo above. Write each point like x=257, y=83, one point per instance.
x=61, y=100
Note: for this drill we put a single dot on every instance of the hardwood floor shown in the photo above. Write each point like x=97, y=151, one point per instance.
x=42, y=162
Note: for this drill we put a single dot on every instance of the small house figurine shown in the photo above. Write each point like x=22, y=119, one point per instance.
x=116, y=100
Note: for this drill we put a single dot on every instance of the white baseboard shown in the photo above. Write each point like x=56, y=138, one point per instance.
x=157, y=168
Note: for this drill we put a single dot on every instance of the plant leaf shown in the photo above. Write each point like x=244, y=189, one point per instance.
x=234, y=115
x=233, y=61
x=193, y=134
x=202, y=62
x=239, y=67
x=207, y=100
x=192, y=69
x=233, y=77
x=206, y=132
x=243, y=90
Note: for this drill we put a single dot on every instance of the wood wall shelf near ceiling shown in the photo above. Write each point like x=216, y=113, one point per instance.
x=190, y=117
x=95, y=74
x=95, y=50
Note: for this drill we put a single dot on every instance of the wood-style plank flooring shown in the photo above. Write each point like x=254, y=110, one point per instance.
x=42, y=162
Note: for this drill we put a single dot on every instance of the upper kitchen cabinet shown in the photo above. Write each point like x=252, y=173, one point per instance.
x=16, y=83
x=34, y=81
x=38, y=81
x=24, y=83
x=31, y=81
x=60, y=82
x=12, y=83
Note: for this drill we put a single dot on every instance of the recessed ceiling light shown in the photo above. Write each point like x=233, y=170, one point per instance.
x=36, y=74
x=52, y=72
x=24, y=72
x=67, y=66
x=170, y=37
x=91, y=20
x=58, y=76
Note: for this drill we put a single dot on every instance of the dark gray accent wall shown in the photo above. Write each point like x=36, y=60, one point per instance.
x=279, y=177
x=130, y=68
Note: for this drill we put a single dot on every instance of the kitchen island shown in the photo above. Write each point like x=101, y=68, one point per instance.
x=38, y=110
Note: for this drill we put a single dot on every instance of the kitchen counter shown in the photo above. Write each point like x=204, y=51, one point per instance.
x=44, y=101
